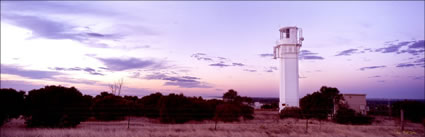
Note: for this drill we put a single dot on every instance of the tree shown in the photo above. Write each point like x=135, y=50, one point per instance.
x=413, y=110
x=233, y=108
x=116, y=87
x=108, y=107
x=11, y=104
x=230, y=95
x=55, y=106
x=149, y=105
x=291, y=112
x=321, y=103
x=345, y=115
x=227, y=112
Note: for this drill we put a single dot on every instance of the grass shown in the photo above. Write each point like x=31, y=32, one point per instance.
x=265, y=124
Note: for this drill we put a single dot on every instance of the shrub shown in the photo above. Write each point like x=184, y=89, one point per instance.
x=11, y=104
x=270, y=106
x=227, y=112
x=345, y=115
x=108, y=107
x=291, y=112
x=413, y=110
x=180, y=109
x=55, y=106
x=149, y=105
x=321, y=103
x=247, y=112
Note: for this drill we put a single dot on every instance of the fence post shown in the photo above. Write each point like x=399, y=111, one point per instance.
x=306, y=126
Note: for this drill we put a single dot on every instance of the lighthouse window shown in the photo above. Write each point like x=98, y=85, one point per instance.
x=287, y=33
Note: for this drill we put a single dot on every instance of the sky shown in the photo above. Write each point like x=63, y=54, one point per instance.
x=204, y=48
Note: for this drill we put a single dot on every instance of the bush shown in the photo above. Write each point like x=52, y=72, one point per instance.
x=247, y=112
x=270, y=106
x=11, y=104
x=108, y=107
x=291, y=112
x=227, y=112
x=55, y=106
x=320, y=103
x=180, y=109
x=149, y=105
x=345, y=115
x=413, y=110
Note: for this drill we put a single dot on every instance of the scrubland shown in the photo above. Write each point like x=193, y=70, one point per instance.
x=266, y=123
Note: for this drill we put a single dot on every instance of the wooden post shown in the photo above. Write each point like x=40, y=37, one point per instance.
x=402, y=119
x=128, y=123
x=320, y=124
x=215, y=127
x=306, y=126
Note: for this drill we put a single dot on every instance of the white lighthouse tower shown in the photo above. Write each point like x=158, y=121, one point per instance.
x=286, y=50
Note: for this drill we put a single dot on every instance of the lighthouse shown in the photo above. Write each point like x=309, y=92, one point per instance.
x=286, y=51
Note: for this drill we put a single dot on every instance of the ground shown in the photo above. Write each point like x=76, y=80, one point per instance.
x=265, y=124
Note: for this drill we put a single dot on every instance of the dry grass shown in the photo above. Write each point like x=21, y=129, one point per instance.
x=264, y=124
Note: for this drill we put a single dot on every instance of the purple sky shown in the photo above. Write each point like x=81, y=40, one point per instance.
x=205, y=48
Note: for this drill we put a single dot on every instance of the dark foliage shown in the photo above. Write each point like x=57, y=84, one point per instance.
x=346, y=115
x=179, y=109
x=56, y=106
x=11, y=104
x=227, y=112
x=270, y=106
x=107, y=107
x=413, y=110
x=291, y=112
x=321, y=103
x=149, y=105
x=230, y=95
x=234, y=107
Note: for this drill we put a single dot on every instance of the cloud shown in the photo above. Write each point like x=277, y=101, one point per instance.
x=180, y=81
x=51, y=7
x=371, y=67
x=201, y=56
x=33, y=74
x=376, y=76
x=266, y=55
x=421, y=60
x=303, y=55
x=47, y=75
x=404, y=65
x=76, y=81
x=413, y=47
x=308, y=55
x=250, y=70
x=19, y=85
x=42, y=27
x=416, y=48
x=183, y=84
x=418, y=45
x=221, y=64
x=117, y=64
x=347, y=52
x=219, y=61
x=271, y=69
x=238, y=64
x=392, y=48
x=87, y=69
x=418, y=77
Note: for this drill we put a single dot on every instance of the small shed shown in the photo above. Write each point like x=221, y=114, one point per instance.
x=357, y=102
